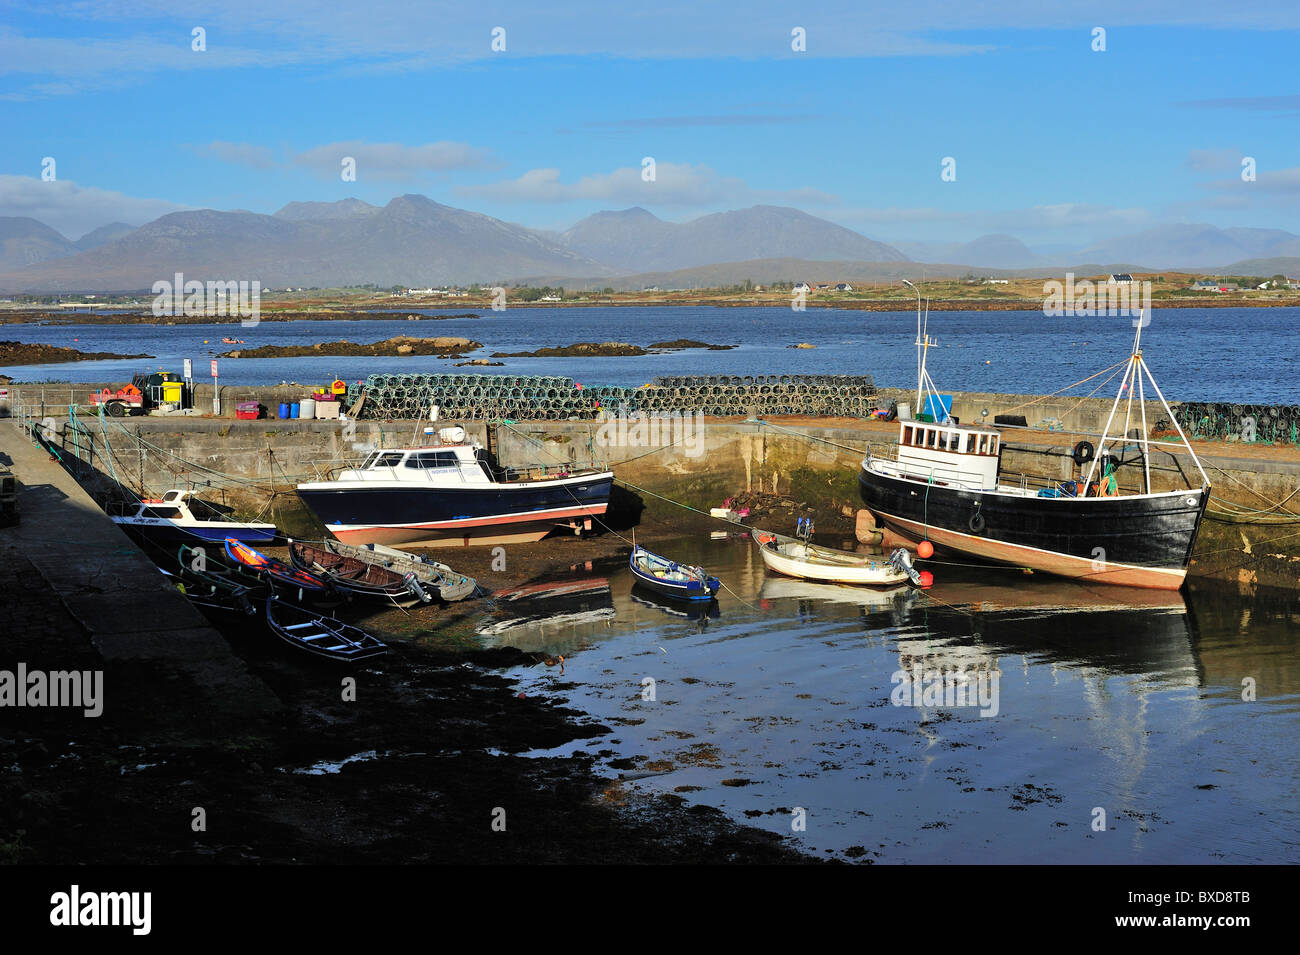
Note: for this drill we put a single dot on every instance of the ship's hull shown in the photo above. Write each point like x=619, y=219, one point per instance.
x=1136, y=540
x=396, y=513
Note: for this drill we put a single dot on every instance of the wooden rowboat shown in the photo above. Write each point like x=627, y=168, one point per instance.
x=320, y=635
x=669, y=578
x=358, y=577
x=436, y=579
x=798, y=558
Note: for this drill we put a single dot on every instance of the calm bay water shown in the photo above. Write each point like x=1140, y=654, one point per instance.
x=779, y=697
x=1222, y=354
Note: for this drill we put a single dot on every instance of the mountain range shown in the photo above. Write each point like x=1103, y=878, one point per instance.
x=413, y=240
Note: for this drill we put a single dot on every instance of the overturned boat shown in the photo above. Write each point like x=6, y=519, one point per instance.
x=945, y=485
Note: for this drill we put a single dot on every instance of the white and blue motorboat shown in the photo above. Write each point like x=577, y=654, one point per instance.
x=666, y=577
x=180, y=518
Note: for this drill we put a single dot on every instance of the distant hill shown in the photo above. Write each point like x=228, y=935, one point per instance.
x=635, y=240
x=412, y=240
x=761, y=272
x=104, y=234
x=1192, y=246
x=1267, y=268
x=25, y=242
x=988, y=251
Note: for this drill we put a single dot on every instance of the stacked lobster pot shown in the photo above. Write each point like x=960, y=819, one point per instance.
x=533, y=397
x=1267, y=424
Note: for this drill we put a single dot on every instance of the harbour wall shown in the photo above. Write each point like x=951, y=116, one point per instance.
x=673, y=477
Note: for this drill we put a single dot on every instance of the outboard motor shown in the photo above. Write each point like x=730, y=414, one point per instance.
x=901, y=561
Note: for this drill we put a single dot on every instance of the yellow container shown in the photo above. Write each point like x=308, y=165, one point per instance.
x=172, y=391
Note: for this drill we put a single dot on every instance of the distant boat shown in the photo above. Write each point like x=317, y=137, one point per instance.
x=171, y=520
x=669, y=578
x=800, y=558
x=320, y=635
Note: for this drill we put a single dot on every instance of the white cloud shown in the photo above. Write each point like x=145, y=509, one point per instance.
x=1214, y=160
x=674, y=185
x=239, y=154
x=393, y=160
x=75, y=210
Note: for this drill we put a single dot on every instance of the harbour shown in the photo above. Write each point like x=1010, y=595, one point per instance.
x=815, y=720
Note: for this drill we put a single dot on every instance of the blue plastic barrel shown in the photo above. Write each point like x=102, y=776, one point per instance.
x=284, y=410
x=293, y=410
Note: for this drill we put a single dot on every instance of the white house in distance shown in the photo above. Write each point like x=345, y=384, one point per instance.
x=802, y=287
x=844, y=287
x=1120, y=278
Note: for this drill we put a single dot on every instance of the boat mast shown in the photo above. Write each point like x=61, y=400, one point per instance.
x=1132, y=379
x=923, y=343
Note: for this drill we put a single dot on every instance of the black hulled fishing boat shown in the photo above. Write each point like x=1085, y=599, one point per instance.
x=945, y=485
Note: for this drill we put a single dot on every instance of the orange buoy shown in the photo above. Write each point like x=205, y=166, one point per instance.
x=925, y=549
x=927, y=579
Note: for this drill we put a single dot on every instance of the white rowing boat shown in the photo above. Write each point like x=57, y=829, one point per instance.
x=797, y=558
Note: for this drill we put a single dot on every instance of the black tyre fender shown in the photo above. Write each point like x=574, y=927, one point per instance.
x=976, y=522
x=1083, y=452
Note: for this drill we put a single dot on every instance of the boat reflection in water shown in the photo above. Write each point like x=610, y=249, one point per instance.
x=1147, y=633
x=554, y=616
x=701, y=611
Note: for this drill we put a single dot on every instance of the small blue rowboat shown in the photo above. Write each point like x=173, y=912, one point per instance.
x=666, y=577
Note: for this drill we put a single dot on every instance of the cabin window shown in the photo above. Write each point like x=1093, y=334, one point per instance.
x=370, y=459
x=433, y=460
x=993, y=445
x=970, y=444
x=168, y=513
x=931, y=438
x=389, y=459
x=907, y=434
x=982, y=445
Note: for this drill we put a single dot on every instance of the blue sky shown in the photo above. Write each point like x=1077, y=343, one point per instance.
x=1054, y=142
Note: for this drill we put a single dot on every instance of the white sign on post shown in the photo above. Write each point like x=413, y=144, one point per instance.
x=189, y=369
x=216, y=393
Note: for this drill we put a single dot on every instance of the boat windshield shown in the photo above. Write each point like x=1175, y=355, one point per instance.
x=383, y=459
x=167, y=513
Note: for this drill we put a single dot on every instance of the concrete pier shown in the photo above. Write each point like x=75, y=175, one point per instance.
x=112, y=590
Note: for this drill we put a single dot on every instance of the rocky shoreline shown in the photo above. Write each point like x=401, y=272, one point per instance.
x=22, y=353
x=609, y=349
x=401, y=345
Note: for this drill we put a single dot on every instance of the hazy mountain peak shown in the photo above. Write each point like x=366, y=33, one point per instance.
x=318, y=211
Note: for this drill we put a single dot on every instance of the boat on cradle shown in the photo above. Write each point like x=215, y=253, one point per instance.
x=280, y=576
x=945, y=484
x=437, y=579
x=320, y=634
x=454, y=494
x=358, y=577
x=180, y=518
x=669, y=578
x=798, y=557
